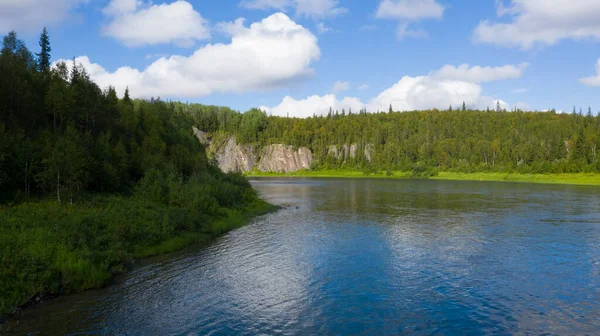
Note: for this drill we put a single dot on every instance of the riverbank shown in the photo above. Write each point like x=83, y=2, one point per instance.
x=573, y=179
x=47, y=249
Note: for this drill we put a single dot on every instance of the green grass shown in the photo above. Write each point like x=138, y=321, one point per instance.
x=574, y=178
x=47, y=248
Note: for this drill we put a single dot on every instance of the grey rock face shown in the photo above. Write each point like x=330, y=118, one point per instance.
x=369, y=152
x=353, y=148
x=284, y=159
x=333, y=151
x=236, y=158
x=202, y=136
x=240, y=158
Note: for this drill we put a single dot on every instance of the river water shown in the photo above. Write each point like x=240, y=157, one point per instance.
x=367, y=257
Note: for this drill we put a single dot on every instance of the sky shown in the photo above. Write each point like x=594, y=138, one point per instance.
x=301, y=57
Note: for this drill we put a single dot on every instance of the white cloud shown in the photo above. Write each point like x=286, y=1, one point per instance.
x=268, y=54
x=340, y=86
x=322, y=28
x=232, y=28
x=314, y=105
x=363, y=87
x=448, y=86
x=410, y=11
x=594, y=80
x=479, y=74
x=403, y=31
x=541, y=22
x=33, y=15
x=136, y=24
x=308, y=8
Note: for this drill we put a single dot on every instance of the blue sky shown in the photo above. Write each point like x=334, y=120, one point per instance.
x=287, y=55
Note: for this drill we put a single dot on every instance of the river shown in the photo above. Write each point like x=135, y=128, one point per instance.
x=366, y=257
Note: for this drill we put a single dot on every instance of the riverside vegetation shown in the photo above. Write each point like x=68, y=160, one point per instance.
x=546, y=147
x=89, y=182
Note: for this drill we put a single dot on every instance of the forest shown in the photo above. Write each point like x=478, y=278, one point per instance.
x=90, y=182
x=454, y=140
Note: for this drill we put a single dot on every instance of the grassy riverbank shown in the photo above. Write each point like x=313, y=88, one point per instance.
x=574, y=179
x=52, y=249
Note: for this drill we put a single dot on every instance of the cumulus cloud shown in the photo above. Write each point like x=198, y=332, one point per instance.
x=136, y=24
x=594, y=80
x=322, y=28
x=478, y=74
x=265, y=55
x=314, y=105
x=412, y=10
x=539, y=22
x=308, y=8
x=448, y=86
x=409, y=11
x=33, y=15
x=340, y=86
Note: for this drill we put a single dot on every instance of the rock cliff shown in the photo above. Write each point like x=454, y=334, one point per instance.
x=234, y=157
x=285, y=159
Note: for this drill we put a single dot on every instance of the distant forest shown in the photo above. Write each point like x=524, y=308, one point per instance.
x=450, y=140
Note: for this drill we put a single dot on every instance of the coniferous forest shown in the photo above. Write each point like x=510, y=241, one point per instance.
x=89, y=182
x=460, y=140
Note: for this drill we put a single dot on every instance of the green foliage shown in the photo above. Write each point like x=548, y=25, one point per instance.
x=453, y=140
x=63, y=142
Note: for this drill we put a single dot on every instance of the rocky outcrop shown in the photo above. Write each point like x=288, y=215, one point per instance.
x=233, y=157
x=369, y=152
x=333, y=151
x=347, y=152
x=202, y=137
x=241, y=158
x=285, y=159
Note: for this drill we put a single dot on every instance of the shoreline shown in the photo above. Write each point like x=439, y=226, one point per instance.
x=234, y=219
x=582, y=179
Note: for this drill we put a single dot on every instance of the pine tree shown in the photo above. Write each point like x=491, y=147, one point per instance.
x=497, y=106
x=464, y=108
x=574, y=110
x=43, y=58
x=126, y=97
x=450, y=108
x=391, y=109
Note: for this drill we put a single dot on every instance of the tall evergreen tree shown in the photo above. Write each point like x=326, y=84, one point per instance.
x=43, y=58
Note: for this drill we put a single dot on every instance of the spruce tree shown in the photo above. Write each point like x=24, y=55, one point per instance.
x=43, y=58
x=464, y=107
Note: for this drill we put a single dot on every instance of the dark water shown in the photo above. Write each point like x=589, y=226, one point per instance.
x=368, y=257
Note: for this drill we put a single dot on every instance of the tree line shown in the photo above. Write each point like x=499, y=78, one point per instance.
x=447, y=140
x=63, y=136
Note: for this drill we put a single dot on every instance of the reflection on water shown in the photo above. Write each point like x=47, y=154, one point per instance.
x=367, y=257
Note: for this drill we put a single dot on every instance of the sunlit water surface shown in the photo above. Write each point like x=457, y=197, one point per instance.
x=367, y=257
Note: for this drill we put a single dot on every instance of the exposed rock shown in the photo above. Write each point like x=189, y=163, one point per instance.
x=353, y=148
x=202, y=137
x=369, y=152
x=233, y=157
x=284, y=159
x=333, y=151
